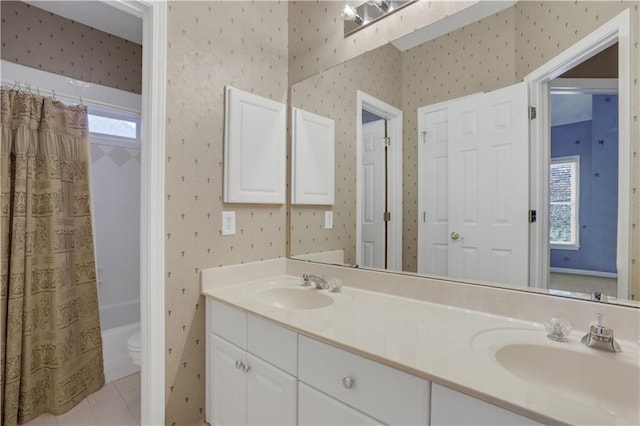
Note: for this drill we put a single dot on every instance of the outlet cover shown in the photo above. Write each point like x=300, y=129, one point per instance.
x=328, y=220
x=228, y=223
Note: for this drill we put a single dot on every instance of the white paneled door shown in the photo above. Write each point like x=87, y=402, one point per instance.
x=373, y=195
x=433, y=242
x=489, y=187
x=474, y=187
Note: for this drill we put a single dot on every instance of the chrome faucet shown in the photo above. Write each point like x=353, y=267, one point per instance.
x=600, y=336
x=320, y=282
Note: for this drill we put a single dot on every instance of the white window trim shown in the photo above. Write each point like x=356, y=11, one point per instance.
x=117, y=114
x=575, y=159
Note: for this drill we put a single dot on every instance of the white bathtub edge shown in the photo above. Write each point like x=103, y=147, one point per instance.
x=115, y=353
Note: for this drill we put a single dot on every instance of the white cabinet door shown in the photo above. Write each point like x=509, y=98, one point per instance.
x=228, y=382
x=255, y=144
x=449, y=407
x=316, y=408
x=271, y=394
x=373, y=195
x=313, y=159
x=488, y=181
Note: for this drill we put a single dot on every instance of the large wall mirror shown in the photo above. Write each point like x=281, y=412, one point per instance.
x=439, y=170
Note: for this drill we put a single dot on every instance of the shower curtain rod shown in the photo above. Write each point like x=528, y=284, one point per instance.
x=17, y=85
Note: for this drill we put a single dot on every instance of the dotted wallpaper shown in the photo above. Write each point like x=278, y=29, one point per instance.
x=477, y=58
x=332, y=94
x=544, y=29
x=495, y=52
x=316, y=37
x=39, y=39
x=210, y=45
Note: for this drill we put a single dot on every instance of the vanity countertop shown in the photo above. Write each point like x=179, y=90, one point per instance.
x=448, y=345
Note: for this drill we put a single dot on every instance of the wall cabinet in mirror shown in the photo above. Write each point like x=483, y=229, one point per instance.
x=313, y=163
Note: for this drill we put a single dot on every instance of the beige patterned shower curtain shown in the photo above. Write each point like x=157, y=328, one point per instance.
x=51, y=345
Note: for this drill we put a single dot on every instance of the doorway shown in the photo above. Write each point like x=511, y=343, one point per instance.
x=616, y=31
x=583, y=183
x=381, y=234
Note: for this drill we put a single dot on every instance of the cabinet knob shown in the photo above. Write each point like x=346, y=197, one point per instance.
x=347, y=382
x=239, y=364
x=245, y=368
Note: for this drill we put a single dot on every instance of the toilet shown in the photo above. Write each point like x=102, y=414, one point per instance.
x=134, y=344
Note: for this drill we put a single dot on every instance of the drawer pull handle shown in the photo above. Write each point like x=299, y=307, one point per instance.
x=245, y=368
x=347, y=382
x=239, y=364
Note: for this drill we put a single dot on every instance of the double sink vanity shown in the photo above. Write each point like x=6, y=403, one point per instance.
x=393, y=349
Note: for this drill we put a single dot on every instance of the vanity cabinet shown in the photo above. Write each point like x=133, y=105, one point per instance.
x=247, y=381
x=261, y=373
x=384, y=393
x=449, y=407
x=316, y=408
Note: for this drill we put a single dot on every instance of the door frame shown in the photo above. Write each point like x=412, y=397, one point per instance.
x=152, y=175
x=394, y=119
x=615, y=30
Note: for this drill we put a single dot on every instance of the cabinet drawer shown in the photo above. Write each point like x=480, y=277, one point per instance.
x=316, y=408
x=227, y=322
x=389, y=395
x=274, y=344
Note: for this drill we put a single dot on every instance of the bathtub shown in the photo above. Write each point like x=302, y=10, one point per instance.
x=118, y=322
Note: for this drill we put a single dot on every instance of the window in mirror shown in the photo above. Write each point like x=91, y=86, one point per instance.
x=563, y=206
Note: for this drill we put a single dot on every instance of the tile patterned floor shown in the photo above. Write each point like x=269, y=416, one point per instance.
x=117, y=403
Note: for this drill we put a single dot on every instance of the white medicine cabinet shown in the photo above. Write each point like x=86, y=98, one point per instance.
x=254, y=148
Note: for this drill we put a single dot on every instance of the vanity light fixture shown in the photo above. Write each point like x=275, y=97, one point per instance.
x=356, y=18
x=350, y=14
x=382, y=5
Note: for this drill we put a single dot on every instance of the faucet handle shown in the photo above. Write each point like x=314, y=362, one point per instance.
x=335, y=285
x=306, y=282
x=558, y=329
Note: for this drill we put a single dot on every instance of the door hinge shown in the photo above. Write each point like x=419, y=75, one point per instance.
x=532, y=113
x=386, y=141
x=386, y=216
x=533, y=216
x=424, y=217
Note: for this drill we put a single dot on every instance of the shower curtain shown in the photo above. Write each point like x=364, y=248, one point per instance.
x=51, y=344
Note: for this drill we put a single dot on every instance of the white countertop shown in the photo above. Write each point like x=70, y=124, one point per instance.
x=444, y=344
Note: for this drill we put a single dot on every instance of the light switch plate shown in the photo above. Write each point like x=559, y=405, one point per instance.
x=228, y=223
x=328, y=220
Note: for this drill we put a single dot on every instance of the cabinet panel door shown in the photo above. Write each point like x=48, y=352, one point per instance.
x=316, y=408
x=228, y=383
x=449, y=407
x=271, y=394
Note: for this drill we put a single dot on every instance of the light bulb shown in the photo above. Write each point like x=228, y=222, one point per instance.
x=383, y=5
x=350, y=14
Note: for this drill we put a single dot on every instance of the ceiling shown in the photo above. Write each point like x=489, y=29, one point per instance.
x=96, y=14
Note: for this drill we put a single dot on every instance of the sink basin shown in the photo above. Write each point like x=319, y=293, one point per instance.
x=294, y=298
x=576, y=374
x=570, y=370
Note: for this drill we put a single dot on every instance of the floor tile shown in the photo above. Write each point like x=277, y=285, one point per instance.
x=132, y=398
x=129, y=383
x=114, y=412
x=106, y=393
x=45, y=419
x=81, y=414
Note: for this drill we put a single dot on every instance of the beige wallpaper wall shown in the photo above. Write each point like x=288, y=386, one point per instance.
x=38, y=39
x=495, y=52
x=536, y=44
x=316, y=39
x=477, y=58
x=210, y=45
x=332, y=94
